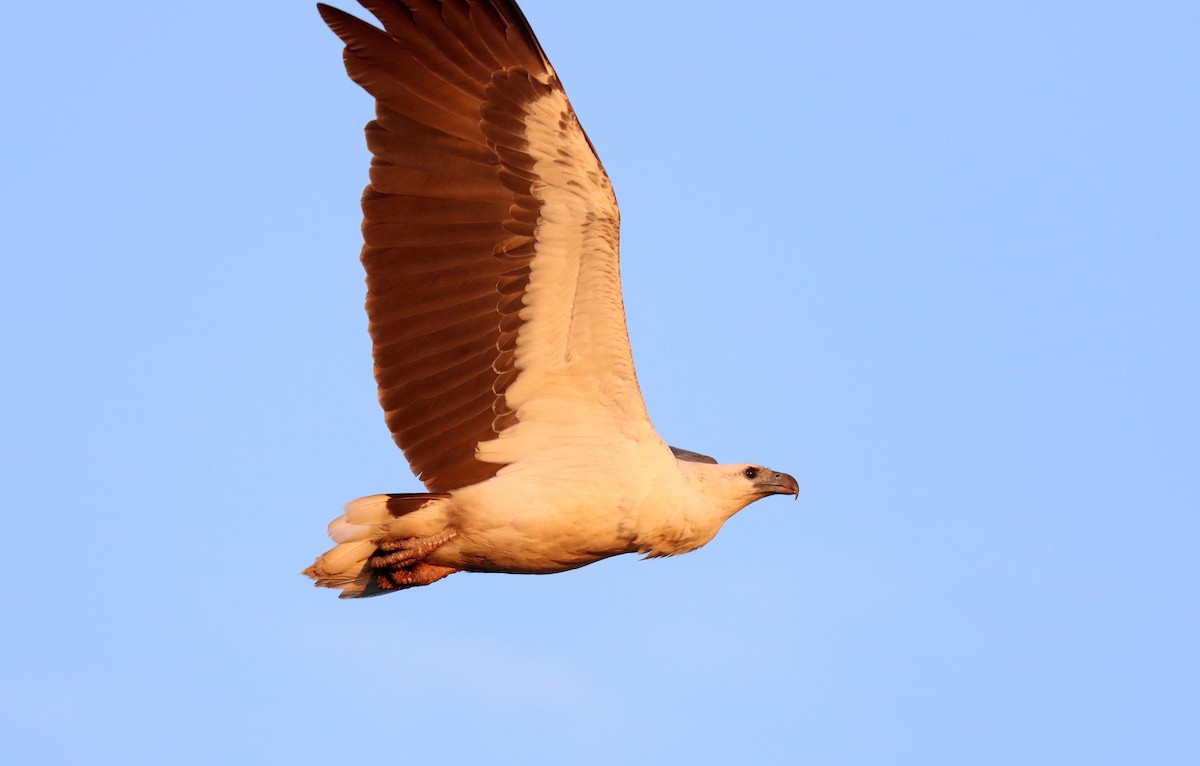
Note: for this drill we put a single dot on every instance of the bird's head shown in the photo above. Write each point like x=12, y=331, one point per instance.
x=734, y=486
x=764, y=481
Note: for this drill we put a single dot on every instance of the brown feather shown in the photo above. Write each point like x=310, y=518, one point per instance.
x=449, y=217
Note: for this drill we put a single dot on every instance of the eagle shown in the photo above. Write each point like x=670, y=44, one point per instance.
x=497, y=324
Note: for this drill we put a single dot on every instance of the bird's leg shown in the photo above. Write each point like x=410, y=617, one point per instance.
x=417, y=574
x=399, y=552
x=398, y=562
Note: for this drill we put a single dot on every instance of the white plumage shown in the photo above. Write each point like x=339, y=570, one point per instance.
x=499, y=330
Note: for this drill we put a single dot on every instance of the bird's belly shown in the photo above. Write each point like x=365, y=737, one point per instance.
x=535, y=541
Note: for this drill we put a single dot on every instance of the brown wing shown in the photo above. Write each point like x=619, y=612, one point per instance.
x=449, y=217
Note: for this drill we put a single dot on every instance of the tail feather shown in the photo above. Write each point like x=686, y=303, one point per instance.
x=357, y=532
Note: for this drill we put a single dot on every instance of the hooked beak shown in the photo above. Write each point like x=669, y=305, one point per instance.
x=776, y=483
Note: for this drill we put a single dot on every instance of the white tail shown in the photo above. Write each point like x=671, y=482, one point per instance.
x=357, y=533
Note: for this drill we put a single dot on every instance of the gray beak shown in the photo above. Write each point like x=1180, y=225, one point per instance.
x=776, y=483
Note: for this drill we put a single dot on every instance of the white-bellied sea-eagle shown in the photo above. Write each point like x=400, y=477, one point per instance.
x=498, y=329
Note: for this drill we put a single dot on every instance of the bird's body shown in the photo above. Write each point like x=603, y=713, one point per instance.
x=500, y=344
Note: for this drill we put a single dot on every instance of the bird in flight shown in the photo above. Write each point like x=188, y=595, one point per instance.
x=497, y=323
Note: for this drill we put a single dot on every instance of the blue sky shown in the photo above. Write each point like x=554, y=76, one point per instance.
x=937, y=260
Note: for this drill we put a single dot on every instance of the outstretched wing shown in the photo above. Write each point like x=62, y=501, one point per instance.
x=491, y=244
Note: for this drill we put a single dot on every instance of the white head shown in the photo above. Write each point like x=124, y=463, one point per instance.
x=731, y=487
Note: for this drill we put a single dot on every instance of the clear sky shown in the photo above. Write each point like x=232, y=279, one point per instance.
x=940, y=261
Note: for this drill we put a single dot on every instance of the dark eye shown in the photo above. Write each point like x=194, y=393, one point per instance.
x=750, y=473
